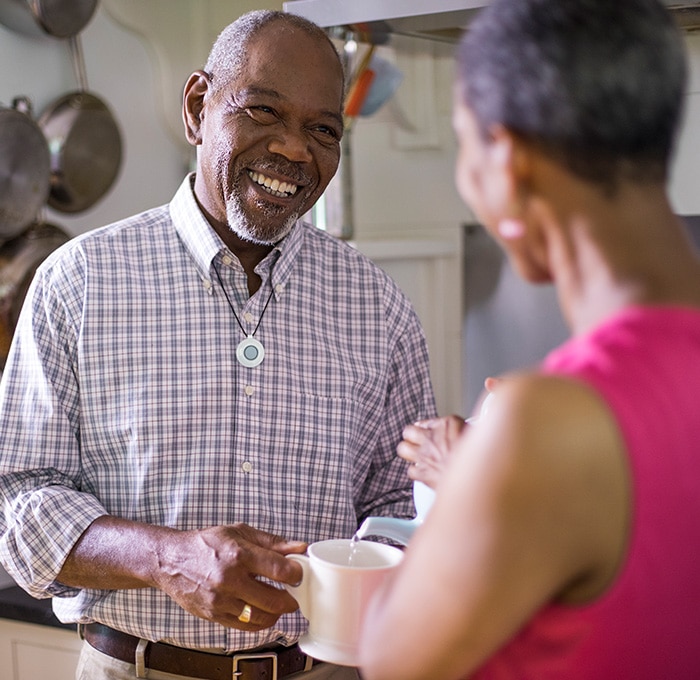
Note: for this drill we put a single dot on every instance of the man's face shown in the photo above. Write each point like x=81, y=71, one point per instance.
x=270, y=140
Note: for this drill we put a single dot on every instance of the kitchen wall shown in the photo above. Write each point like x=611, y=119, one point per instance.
x=686, y=168
x=120, y=71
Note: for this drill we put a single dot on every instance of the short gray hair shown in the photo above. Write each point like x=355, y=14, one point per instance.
x=228, y=54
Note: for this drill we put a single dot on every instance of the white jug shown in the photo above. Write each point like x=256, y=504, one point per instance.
x=400, y=530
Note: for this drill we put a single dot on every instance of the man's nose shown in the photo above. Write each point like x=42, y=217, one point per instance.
x=294, y=146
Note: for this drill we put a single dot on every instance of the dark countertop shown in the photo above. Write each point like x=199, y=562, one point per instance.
x=18, y=605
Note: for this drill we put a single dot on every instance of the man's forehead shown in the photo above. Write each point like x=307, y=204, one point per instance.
x=279, y=64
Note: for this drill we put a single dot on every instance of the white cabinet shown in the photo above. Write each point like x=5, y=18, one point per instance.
x=430, y=273
x=32, y=652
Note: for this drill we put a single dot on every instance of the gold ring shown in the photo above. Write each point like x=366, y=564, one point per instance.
x=244, y=616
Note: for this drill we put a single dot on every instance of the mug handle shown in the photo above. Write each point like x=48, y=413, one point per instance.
x=301, y=591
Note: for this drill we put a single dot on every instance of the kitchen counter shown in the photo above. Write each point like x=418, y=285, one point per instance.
x=17, y=605
x=33, y=642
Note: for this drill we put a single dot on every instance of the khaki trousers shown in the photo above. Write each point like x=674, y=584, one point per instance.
x=94, y=665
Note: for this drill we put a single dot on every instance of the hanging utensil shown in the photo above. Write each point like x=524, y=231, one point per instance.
x=57, y=18
x=24, y=168
x=387, y=78
x=359, y=85
x=19, y=259
x=85, y=143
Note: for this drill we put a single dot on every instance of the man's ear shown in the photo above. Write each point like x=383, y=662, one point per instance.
x=196, y=88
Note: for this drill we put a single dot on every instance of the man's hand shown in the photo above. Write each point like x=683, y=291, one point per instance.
x=212, y=573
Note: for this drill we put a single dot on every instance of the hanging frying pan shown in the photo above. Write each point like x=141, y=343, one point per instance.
x=57, y=18
x=84, y=141
x=24, y=168
x=19, y=259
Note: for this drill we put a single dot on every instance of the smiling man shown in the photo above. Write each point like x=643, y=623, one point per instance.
x=195, y=392
x=268, y=131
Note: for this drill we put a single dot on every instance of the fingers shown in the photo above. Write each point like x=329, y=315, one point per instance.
x=246, y=613
x=491, y=383
x=267, y=540
x=251, y=617
x=427, y=445
x=217, y=571
x=436, y=435
x=257, y=607
x=407, y=451
x=428, y=475
x=427, y=423
x=265, y=554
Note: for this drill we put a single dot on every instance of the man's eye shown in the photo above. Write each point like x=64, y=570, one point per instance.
x=263, y=113
x=326, y=130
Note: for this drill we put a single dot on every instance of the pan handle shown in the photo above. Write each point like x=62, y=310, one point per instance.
x=76, y=52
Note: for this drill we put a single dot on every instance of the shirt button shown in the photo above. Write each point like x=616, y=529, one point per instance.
x=249, y=390
x=226, y=260
x=247, y=466
x=279, y=288
x=248, y=317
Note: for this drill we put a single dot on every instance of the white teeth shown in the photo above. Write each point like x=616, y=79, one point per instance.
x=273, y=186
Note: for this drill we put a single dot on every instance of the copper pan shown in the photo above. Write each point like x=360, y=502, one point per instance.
x=19, y=259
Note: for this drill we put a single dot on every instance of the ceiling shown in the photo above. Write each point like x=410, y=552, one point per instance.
x=443, y=20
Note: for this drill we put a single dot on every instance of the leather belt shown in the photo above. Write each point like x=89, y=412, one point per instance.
x=262, y=664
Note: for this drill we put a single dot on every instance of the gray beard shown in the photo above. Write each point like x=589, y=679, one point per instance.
x=245, y=228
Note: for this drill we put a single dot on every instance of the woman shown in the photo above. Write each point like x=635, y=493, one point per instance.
x=564, y=537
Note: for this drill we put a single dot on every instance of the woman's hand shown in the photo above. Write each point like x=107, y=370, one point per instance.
x=426, y=445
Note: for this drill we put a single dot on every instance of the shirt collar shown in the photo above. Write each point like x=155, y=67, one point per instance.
x=203, y=244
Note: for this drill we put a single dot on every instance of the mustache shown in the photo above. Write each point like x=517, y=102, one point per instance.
x=282, y=167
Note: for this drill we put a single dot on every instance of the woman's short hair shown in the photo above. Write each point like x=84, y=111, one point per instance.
x=598, y=84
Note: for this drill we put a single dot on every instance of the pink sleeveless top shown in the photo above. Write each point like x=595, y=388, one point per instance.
x=645, y=363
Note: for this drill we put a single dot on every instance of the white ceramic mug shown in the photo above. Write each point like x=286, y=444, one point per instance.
x=340, y=578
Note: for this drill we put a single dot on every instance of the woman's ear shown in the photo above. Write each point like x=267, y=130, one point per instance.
x=196, y=88
x=500, y=191
x=512, y=164
x=511, y=160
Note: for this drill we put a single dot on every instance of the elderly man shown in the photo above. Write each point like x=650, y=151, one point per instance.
x=198, y=391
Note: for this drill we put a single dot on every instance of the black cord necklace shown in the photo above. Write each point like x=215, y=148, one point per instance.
x=249, y=352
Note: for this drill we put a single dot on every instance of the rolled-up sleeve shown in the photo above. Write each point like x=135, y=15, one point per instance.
x=44, y=510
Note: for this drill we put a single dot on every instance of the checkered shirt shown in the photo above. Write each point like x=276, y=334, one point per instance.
x=122, y=395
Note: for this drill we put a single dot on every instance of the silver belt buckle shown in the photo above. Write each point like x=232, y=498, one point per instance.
x=249, y=657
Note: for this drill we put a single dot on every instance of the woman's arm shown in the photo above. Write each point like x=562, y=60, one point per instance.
x=533, y=508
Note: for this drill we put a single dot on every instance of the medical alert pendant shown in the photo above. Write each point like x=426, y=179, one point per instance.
x=250, y=352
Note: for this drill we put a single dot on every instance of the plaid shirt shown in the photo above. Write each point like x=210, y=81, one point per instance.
x=122, y=395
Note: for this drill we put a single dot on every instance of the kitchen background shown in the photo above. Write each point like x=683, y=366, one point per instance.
x=479, y=318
